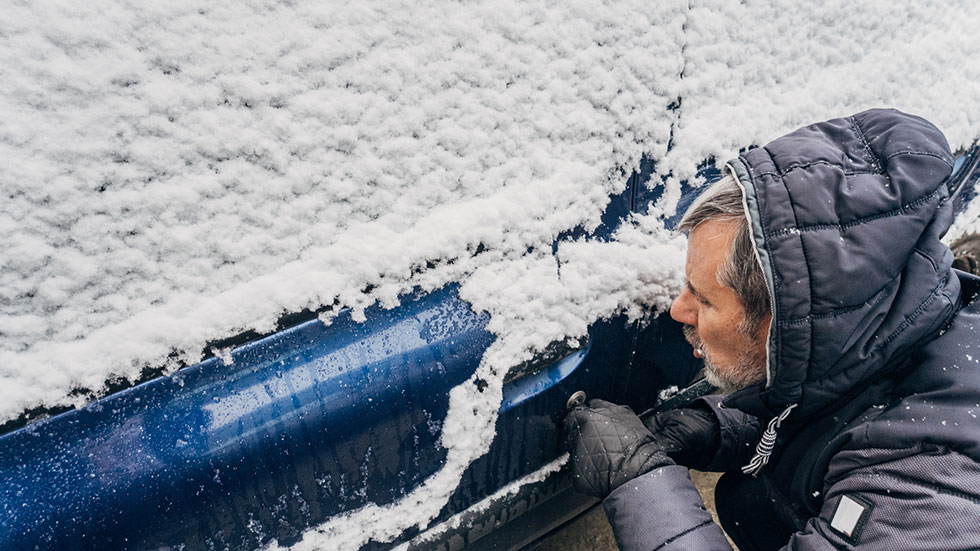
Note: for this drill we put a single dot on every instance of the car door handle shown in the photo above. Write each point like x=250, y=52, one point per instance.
x=527, y=386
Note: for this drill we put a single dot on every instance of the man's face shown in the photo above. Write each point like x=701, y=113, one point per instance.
x=712, y=315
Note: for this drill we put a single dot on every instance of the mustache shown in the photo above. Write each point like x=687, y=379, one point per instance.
x=692, y=336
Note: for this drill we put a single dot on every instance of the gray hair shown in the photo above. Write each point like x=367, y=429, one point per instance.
x=741, y=271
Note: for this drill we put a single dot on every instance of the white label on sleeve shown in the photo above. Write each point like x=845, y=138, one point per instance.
x=847, y=516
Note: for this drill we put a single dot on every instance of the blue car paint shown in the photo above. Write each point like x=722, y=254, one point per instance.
x=966, y=176
x=520, y=391
x=308, y=423
x=330, y=417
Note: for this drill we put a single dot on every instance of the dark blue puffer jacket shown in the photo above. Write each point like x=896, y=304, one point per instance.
x=874, y=352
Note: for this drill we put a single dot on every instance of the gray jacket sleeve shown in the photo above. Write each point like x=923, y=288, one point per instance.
x=896, y=499
x=874, y=499
x=739, y=433
x=662, y=510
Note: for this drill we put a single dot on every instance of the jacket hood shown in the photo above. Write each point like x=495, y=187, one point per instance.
x=847, y=217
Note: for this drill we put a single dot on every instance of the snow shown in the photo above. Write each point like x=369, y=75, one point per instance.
x=966, y=222
x=667, y=393
x=507, y=491
x=178, y=173
x=757, y=69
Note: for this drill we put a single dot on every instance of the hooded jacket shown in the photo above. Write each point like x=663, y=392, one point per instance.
x=872, y=394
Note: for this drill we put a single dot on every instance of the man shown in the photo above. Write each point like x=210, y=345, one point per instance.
x=824, y=304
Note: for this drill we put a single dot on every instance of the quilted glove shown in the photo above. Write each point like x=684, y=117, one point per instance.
x=689, y=436
x=608, y=446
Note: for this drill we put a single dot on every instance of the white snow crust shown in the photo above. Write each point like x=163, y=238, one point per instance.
x=507, y=491
x=755, y=70
x=176, y=173
x=967, y=221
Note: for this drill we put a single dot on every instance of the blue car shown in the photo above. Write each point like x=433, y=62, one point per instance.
x=314, y=422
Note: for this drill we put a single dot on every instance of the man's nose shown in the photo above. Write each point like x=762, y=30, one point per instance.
x=683, y=310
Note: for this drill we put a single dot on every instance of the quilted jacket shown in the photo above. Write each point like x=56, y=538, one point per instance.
x=874, y=353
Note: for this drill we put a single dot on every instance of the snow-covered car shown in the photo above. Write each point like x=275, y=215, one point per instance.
x=318, y=434
x=306, y=274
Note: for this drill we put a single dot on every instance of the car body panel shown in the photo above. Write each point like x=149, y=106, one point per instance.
x=332, y=417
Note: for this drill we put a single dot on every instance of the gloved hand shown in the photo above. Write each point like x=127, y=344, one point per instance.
x=608, y=446
x=689, y=436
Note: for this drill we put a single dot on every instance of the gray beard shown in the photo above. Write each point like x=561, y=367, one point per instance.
x=749, y=368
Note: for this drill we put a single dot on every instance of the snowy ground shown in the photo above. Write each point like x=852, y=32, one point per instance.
x=177, y=173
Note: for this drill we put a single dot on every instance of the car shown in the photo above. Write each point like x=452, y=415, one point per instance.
x=315, y=423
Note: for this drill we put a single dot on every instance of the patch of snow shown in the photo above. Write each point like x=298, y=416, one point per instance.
x=224, y=354
x=966, y=222
x=756, y=70
x=667, y=393
x=511, y=489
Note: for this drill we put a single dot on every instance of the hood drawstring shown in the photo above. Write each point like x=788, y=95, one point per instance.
x=765, y=446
